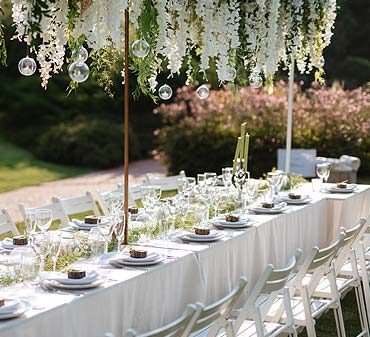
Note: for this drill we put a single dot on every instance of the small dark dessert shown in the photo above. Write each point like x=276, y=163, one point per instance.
x=268, y=205
x=20, y=240
x=232, y=218
x=342, y=185
x=76, y=274
x=294, y=196
x=92, y=220
x=138, y=253
x=202, y=231
x=133, y=210
x=2, y=302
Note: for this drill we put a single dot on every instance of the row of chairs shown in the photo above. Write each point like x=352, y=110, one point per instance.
x=94, y=203
x=283, y=301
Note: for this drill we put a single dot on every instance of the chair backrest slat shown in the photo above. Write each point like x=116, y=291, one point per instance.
x=167, y=183
x=103, y=198
x=174, y=329
x=58, y=212
x=7, y=224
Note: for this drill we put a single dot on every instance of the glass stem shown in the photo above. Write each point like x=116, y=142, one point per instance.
x=106, y=243
x=54, y=263
x=42, y=263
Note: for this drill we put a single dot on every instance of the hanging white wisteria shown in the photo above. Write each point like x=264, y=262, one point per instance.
x=237, y=38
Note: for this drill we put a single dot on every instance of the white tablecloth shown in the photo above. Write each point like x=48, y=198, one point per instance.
x=147, y=299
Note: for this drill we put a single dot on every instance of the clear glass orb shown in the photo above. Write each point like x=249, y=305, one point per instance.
x=165, y=92
x=321, y=62
x=79, y=71
x=140, y=48
x=255, y=80
x=203, y=91
x=27, y=66
x=230, y=73
x=80, y=55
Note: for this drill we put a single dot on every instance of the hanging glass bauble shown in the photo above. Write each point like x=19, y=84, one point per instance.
x=79, y=71
x=203, y=91
x=27, y=66
x=230, y=73
x=255, y=80
x=140, y=48
x=165, y=92
x=80, y=55
x=321, y=62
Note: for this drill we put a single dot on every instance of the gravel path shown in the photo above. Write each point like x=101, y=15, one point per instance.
x=72, y=187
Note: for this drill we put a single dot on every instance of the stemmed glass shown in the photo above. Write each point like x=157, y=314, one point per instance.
x=44, y=218
x=30, y=223
x=323, y=172
x=41, y=244
x=190, y=184
x=105, y=229
x=201, y=179
x=211, y=179
x=252, y=189
x=227, y=175
x=56, y=245
x=119, y=230
x=274, y=179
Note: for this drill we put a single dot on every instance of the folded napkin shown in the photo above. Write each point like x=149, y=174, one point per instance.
x=277, y=207
x=90, y=277
x=10, y=306
x=211, y=235
x=7, y=243
x=151, y=257
x=222, y=221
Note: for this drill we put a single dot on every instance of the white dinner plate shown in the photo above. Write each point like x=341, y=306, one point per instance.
x=18, y=311
x=222, y=226
x=120, y=263
x=243, y=221
x=58, y=285
x=150, y=258
x=304, y=200
x=202, y=238
x=334, y=189
x=7, y=243
x=211, y=235
x=90, y=277
x=262, y=210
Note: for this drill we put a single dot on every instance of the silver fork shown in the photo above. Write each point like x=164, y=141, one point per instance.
x=57, y=291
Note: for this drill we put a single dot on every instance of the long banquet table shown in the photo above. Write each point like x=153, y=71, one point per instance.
x=148, y=298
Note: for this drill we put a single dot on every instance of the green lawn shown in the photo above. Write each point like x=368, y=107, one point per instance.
x=19, y=168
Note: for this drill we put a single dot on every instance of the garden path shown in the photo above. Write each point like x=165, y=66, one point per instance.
x=101, y=180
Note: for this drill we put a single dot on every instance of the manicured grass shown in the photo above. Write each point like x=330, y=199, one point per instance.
x=19, y=168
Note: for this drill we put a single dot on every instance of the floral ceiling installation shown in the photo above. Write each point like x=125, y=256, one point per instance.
x=244, y=41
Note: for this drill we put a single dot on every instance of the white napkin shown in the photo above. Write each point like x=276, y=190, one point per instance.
x=10, y=307
x=90, y=277
x=150, y=258
x=211, y=235
x=82, y=224
x=7, y=243
x=222, y=221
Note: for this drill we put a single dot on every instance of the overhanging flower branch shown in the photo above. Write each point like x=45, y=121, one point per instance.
x=246, y=42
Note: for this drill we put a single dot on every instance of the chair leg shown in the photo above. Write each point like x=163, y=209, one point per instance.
x=339, y=316
x=310, y=322
x=365, y=280
x=361, y=308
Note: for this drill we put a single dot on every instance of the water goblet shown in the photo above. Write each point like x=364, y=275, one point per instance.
x=41, y=244
x=44, y=218
x=29, y=266
x=29, y=223
x=211, y=179
x=201, y=180
x=227, y=175
x=95, y=243
x=323, y=172
x=190, y=184
x=119, y=230
x=56, y=245
x=105, y=229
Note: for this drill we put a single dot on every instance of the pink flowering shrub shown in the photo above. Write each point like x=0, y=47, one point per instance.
x=200, y=135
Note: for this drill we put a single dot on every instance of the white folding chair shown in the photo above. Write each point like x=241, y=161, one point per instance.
x=166, y=183
x=7, y=224
x=174, y=329
x=306, y=307
x=58, y=212
x=102, y=198
x=83, y=204
x=269, y=290
x=134, y=194
x=213, y=318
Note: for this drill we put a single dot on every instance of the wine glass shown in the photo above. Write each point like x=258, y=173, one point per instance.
x=95, y=243
x=274, y=179
x=201, y=179
x=115, y=203
x=119, y=230
x=44, y=218
x=252, y=189
x=211, y=179
x=56, y=244
x=155, y=193
x=29, y=223
x=105, y=229
x=190, y=184
x=227, y=174
x=323, y=172
x=29, y=266
x=41, y=244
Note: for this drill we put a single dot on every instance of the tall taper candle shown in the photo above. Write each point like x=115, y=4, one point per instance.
x=246, y=150
x=237, y=153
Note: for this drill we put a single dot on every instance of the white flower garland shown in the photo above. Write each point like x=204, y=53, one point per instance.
x=274, y=30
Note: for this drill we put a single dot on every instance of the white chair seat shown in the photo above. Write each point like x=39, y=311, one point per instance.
x=323, y=288
x=298, y=310
x=347, y=269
